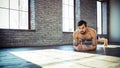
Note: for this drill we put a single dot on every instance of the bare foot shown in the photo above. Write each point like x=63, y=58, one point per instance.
x=105, y=42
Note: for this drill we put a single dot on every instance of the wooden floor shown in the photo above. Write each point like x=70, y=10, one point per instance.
x=62, y=56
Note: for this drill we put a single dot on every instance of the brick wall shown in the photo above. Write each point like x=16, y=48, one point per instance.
x=48, y=14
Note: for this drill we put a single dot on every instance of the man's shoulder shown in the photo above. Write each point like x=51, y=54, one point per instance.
x=91, y=30
x=76, y=32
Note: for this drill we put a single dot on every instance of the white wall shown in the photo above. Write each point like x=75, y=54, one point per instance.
x=114, y=21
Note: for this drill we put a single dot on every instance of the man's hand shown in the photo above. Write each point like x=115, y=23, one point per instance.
x=82, y=47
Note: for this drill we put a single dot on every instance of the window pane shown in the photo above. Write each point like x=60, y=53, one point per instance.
x=4, y=18
x=65, y=25
x=71, y=25
x=65, y=11
x=14, y=4
x=68, y=15
x=4, y=3
x=23, y=20
x=99, y=29
x=71, y=12
x=12, y=15
x=14, y=23
x=71, y=2
x=104, y=17
x=65, y=1
x=24, y=5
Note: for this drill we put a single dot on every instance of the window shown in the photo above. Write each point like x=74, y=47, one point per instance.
x=99, y=29
x=68, y=15
x=101, y=17
x=14, y=14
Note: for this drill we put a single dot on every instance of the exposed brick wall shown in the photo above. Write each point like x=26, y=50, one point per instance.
x=67, y=38
x=49, y=21
x=16, y=38
x=46, y=19
x=88, y=12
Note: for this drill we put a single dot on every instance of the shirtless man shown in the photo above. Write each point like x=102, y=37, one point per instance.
x=86, y=33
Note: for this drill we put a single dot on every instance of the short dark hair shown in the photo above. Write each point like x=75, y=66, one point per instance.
x=81, y=22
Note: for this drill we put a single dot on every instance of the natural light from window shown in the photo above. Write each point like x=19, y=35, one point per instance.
x=99, y=29
x=68, y=15
x=14, y=14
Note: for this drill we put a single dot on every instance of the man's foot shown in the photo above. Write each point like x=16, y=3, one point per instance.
x=105, y=42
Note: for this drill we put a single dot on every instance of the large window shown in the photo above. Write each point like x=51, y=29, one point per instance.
x=68, y=15
x=101, y=17
x=99, y=29
x=14, y=14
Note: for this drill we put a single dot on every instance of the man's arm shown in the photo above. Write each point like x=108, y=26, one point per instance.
x=75, y=39
x=94, y=42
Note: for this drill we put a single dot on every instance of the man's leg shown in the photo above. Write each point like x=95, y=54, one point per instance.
x=103, y=40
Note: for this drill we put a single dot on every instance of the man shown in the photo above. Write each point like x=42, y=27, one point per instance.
x=86, y=33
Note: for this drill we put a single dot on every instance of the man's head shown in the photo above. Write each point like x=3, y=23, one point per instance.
x=82, y=25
